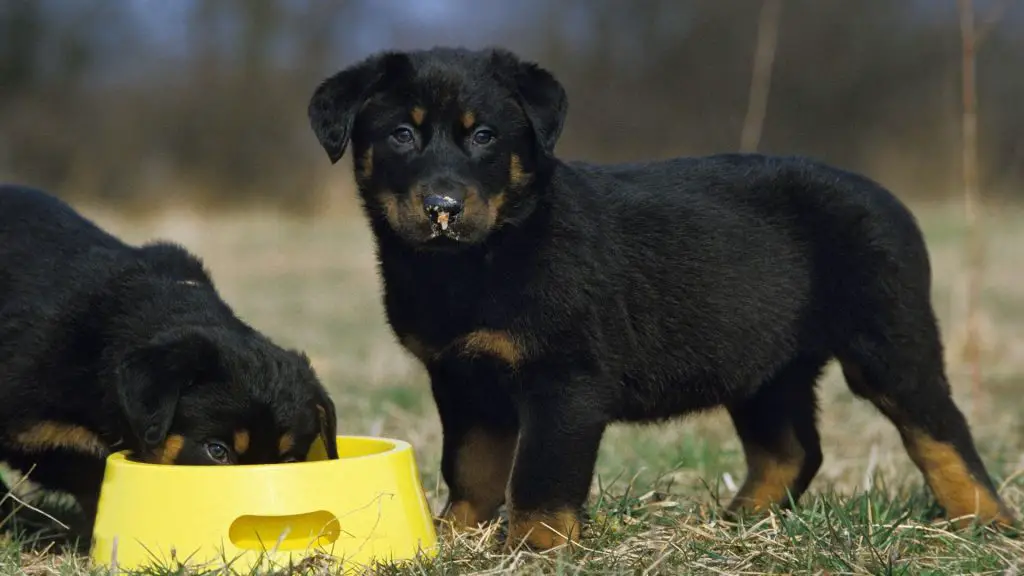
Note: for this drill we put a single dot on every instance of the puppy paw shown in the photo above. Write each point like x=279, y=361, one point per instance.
x=543, y=530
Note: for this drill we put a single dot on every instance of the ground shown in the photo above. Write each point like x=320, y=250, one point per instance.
x=313, y=284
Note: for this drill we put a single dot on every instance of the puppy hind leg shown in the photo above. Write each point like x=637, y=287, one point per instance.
x=777, y=427
x=908, y=385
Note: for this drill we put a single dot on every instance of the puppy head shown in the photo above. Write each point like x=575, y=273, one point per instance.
x=446, y=142
x=213, y=396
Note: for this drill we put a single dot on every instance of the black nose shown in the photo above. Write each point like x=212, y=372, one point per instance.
x=440, y=208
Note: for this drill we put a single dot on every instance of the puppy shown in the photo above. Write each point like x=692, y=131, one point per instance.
x=105, y=346
x=547, y=299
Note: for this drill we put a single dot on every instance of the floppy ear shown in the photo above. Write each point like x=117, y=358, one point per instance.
x=540, y=94
x=150, y=381
x=327, y=418
x=328, y=425
x=336, y=101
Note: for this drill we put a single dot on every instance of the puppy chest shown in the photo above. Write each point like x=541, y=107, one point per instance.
x=662, y=393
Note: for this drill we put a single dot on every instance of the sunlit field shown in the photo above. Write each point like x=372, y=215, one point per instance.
x=313, y=284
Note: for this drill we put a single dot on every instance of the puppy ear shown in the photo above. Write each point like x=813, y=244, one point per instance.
x=336, y=101
x=150, y=381
x=540, y=94
x=328, y=425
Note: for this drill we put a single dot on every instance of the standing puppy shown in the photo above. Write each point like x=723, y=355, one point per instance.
x=548, y=299
x=105, y=346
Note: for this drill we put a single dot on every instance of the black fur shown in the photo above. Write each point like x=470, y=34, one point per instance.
x=105, y=346
x=564, y=296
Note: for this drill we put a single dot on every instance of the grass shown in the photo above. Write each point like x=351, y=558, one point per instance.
x=653, y=508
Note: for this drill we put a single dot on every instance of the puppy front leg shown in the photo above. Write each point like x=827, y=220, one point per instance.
x=560, y=433
x=480, y=432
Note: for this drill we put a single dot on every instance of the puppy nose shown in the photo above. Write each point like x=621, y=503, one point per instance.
x=441, y=208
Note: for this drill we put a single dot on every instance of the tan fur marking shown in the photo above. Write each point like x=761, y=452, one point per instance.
x=494, y=208
x=50, y=435
x=366, y=166
x=475, y=204
x=415, y=203
x=767, y=483
x=168, y=453
x=241, y=441
x=771, y=476
x=517, y=178
x=952, y=483
x=462, y=516
x=468, y=120
x=497, y=343
x=482, y=467
x=285, y=443
x=389, y=204
x=963, y=496
x=418, y=114
x=543, y=531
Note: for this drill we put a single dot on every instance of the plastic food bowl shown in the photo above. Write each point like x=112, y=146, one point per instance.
x=367, y=506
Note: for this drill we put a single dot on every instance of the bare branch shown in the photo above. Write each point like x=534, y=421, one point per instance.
x=761, y=76
x=972, y=199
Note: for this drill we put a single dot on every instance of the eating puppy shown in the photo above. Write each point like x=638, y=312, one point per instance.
x=106, y=346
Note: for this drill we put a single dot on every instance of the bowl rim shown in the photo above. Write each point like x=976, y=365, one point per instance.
x=120, y=458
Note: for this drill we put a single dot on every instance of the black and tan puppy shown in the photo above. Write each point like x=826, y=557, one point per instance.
x=105, y=346
x=548, y=299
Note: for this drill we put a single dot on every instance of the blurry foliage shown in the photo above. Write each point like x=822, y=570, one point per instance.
x=91, y=106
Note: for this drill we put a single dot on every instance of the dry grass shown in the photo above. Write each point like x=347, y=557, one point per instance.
x=313, y=284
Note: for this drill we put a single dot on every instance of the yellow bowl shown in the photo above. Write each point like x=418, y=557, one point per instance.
x=367, y=506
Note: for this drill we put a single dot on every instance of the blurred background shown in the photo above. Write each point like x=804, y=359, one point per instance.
x=141, y=102
x=186, y=120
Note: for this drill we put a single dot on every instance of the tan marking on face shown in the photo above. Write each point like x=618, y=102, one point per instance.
x=483, y=463
x=241, y=441
x=517, y=178
x=287, y=441
x=415, y=203
x=544, y=530
x=169, y=451
x=49, y=435
x=494, y=208
x=468, y=120
x=475, y=204
x=418, y=114
x=366, y=166
x=389, y=205
x=497, y=343
x=954, y=487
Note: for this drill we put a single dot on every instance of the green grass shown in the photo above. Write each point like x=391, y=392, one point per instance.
x=654, y=504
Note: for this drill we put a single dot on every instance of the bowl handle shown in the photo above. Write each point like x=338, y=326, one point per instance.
x=288, y=532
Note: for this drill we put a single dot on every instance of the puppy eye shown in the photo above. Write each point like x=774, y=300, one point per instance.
x=402, y=135
x=483, y=137
x=218, y=452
